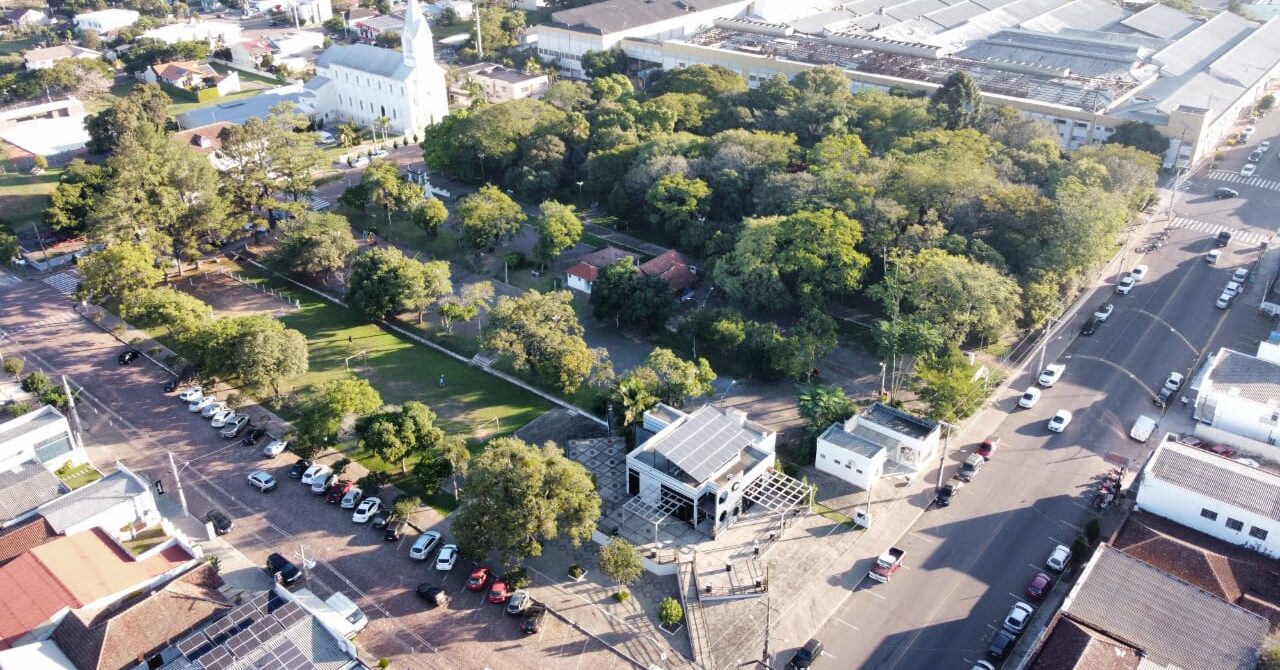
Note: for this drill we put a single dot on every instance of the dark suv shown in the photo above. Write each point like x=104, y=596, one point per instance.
x=970, y=469
x=1091, y=326
x=1001, y=644
x=805, y=655
x=1224, y=238
x=282, y=569
x=532, y=621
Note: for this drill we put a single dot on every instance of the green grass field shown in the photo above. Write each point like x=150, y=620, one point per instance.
x=23, y=197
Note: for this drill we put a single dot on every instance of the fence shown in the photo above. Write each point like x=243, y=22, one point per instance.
x=261, y=288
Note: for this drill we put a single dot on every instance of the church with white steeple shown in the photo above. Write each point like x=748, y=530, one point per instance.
x=360, y=83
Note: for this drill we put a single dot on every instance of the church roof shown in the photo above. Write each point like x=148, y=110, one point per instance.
x=365, y=58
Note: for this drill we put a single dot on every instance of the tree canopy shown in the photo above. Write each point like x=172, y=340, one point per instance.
x=540, y=333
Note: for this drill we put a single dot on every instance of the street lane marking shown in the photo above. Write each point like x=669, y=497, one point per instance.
x=873, y=593
x=838, y=619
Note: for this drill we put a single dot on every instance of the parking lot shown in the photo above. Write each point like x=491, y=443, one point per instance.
x=129, y=418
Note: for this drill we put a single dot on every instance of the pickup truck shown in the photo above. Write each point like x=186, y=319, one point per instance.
x=887, y=564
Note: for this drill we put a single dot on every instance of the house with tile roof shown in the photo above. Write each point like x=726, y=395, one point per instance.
x=582, y=274
x=45, y=58
x=1240, y=394
x=671, y=268
x=1215, y=495
x=20, y=538
x=26, y=17
x=1126, y=614
x=192, y=76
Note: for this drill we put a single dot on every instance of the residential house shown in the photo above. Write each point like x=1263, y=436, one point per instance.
x=193, y=76
x=24, y=536
x=217, y=34
x=498, y=83
x=42, y=435
x=305, y=11
x=42, y=59
x=289, y=50
x=700, y=467
x=582, y=274
x=670, y=267
x=1124, y=613
x=106, y=21
x=356, y=15
x=462, y=9
x=370, y=28
x=1240, y=394
x=23, y=488
x=882, y=441
x=208, y=140
x=118, y=501
x=23, y=18
x=1217, y=496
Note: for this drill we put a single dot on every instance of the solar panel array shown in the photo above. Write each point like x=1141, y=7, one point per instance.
x=247, y=629
x=704, y=444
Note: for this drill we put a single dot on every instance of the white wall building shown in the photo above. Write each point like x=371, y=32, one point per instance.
x=361, y=83
x=1214, y=495
x=120, y=499
x=106, y=20
x=44, y=435
x=603, y=25
x=499, y=83
x=217, y=34
x=1240, y=394
x=305, y=11
x=880, y=442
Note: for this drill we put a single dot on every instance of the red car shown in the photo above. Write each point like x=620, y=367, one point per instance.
x=498, y=593
x=1223, y=450
x=338, y=490
x=989, y=447
x=479, y=577
x=1039, y=586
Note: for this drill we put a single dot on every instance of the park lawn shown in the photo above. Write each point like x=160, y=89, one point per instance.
x=24, y=197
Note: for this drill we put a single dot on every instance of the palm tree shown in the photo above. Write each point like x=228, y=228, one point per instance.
x=634, y=399
x=384, y=124
x=454, y=449
x=348, y=134
x=824, y=405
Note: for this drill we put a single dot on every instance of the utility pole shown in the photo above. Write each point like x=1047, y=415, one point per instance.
x=768, y=622
x=177, y=482
x=479, y=41
x=71, y=409
x=1044, y=344
x=946, y=445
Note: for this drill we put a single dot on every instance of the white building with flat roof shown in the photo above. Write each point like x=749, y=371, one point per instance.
x=882, y=441
x=1240, y=394
x=106, y=20
x=1213, y=494
x=42, y=435
x=217, y=34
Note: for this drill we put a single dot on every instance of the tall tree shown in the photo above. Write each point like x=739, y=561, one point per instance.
x=388, y=190
x=822, y=406
x=164, y=307
x=324, y=412
x=315, y=244
x=466, y=305
x=269, y=354
x=958, y=102
x=621, y=561
x=384, y=283
x=965, y=299
x=520, y=496
x=558, y=229
x=117, y=271
x=669, y=378
x=540, y=332
x=621, y=293
x=429, y=215
x=488, y=217
x=147, y=104
x=74, y=199
x=677, y=203
x=407, y=431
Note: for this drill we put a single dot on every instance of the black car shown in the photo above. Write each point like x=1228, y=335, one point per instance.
x=282, y=569
x=382, y=518
x=1091, y=326
x=251, y=438
x=532, y=621
x=432, y=594
x=1224, y=192
x=171, y=385
x=804, y=656
x=1224, y=238
x=947, y=493
x=1000, y=644
x=299, y=466
x=395, y=531
x=222, y=524
x=129, y=356
x=1162, y=398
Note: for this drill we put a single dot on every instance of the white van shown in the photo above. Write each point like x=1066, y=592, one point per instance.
x=1142, y=428
x=338, y=613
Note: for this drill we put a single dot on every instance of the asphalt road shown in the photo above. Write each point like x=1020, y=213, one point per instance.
x=967, y=564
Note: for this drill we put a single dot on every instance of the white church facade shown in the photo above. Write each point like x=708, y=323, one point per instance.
x=361, y=83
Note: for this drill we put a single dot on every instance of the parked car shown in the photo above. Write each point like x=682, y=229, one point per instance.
x=1051, y=374
x=498, y=593
x=423, y=546
x=129, y=356
x=320, y=485
x=1058, y=558
x=1247, y=461
x=361, y=162
x=1161, y=398
x=1190, y=440
x=201, y=404
x=275, y=448
x=351, y=499
x=982, y=665
x=1029, y=398
x=1139, y=272
x=251, y=438
x=222, y=524
x=1039, y=586
x=1090, y=327
x=223, y=418
x=213, y=408
x=1016, y=620
x=367, y=508
x=432, y=594
x=1233, y=288
x=1223, y=239
x=518, y=602
x=380, y=153
x=1125, y=285
x=479, y=577
x=533, y=616
x=805, y=656
x=395, y=531
x=1174, y=381
x=338, y=491
x=1240, y=275
x=1255, y=156
x=282, y=569
x=1224, y=300
x=170, y=385
x=1265, y=146
x=383, y=518
x=969, y=469
x=299, y=466
x=948, y=492
x=1104, y=311
x=447, y=557
x=1221, y=450
x=1060, y=421
x=232, y=429
x=317, y=471
x=989, y=447
x=263, y=481
x=191, y=393
x=1224, y=193
x=1000, y=644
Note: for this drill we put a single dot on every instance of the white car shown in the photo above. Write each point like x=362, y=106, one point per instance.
x=1060, y=420
x=191, y=393
x=316, y=471
x=212, y=409
x=1240, y=275
x=223, y=418
x=199, y=405
x=518, y=602
x=368, y=507
x=1248, y=170
x=1265, y=146
x=1213, y=256
x=1247, y=461
x=351, y=499
x=1174, y=382
x=361, y=162
x=275, y=448
x=380, y=153
x=1224, y=301
x=324, y=138
x=1051, y=374
x=1233, y=289
x=447, y=557
x=1029, y=398
x=320, y=483
x=263, y=481
x=1138, y=272
x=1104, y=311
x=1125, y=284
x=1016, y=620
x=422, y=546
x=1058, y=558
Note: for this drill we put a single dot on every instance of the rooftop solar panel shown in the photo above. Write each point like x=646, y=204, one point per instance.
x=704, y=443
x=242, y=643
x=218, y=659
x=194, y=645
x=289, y=614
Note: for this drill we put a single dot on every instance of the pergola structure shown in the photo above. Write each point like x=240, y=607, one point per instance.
x=651, y=513
x=778, y=493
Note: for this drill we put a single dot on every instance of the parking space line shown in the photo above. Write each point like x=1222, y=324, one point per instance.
x=873, y=593
x=1056, y=540
x=839, y=620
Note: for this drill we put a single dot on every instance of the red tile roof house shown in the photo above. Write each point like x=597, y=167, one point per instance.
x=86, y=570
x=669, y=266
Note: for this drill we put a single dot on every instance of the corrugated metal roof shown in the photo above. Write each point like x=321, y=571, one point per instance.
x=1218, y=478
x=1203, y=44
x=26, y=487
x=365, y=58
x=1246, y=376
x=837, y=435
x=73, y=508
x=1161, y=20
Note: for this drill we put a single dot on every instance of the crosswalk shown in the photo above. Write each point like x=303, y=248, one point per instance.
x=1237, y=236
x=64, y=282
x=1235, y=178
